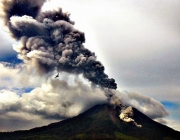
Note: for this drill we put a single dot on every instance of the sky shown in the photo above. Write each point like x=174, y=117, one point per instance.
x=136, y=41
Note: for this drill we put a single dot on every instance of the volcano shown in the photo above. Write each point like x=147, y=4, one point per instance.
x=99, y=122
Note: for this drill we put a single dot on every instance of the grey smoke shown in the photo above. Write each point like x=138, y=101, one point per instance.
x=48, y=41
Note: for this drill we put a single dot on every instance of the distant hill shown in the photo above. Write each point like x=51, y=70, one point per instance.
x=100, y=122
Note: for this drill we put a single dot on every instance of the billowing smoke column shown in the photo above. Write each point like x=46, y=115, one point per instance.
x=126, y=114
x=49, y=41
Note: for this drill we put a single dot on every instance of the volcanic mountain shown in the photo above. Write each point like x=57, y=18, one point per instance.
x=99, y=122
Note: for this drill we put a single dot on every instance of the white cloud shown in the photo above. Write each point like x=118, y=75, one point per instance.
x=175, y=124
x=160, y=120
x=56, y=99
x=148, y=106
x=19, y=76
x=51, y=100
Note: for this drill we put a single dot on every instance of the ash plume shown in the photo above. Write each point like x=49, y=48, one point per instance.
x=48, y=41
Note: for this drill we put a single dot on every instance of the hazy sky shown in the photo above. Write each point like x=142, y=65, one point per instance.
x=137, y=42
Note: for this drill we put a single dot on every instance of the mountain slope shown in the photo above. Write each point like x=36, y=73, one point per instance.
x=99, y=122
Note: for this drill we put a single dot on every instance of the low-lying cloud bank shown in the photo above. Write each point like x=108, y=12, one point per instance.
x=56, y=99
x=149, y=106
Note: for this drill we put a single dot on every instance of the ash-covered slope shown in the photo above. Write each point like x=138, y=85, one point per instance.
x=99, y=122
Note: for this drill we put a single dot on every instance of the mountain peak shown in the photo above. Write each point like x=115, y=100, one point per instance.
x=99, y=122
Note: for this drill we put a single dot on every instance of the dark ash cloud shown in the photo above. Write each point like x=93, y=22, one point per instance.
x=48, y=41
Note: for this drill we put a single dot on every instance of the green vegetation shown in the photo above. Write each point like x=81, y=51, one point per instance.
x=167, y=138
x=122, y=136
x=39, y=137
x=81, y=136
